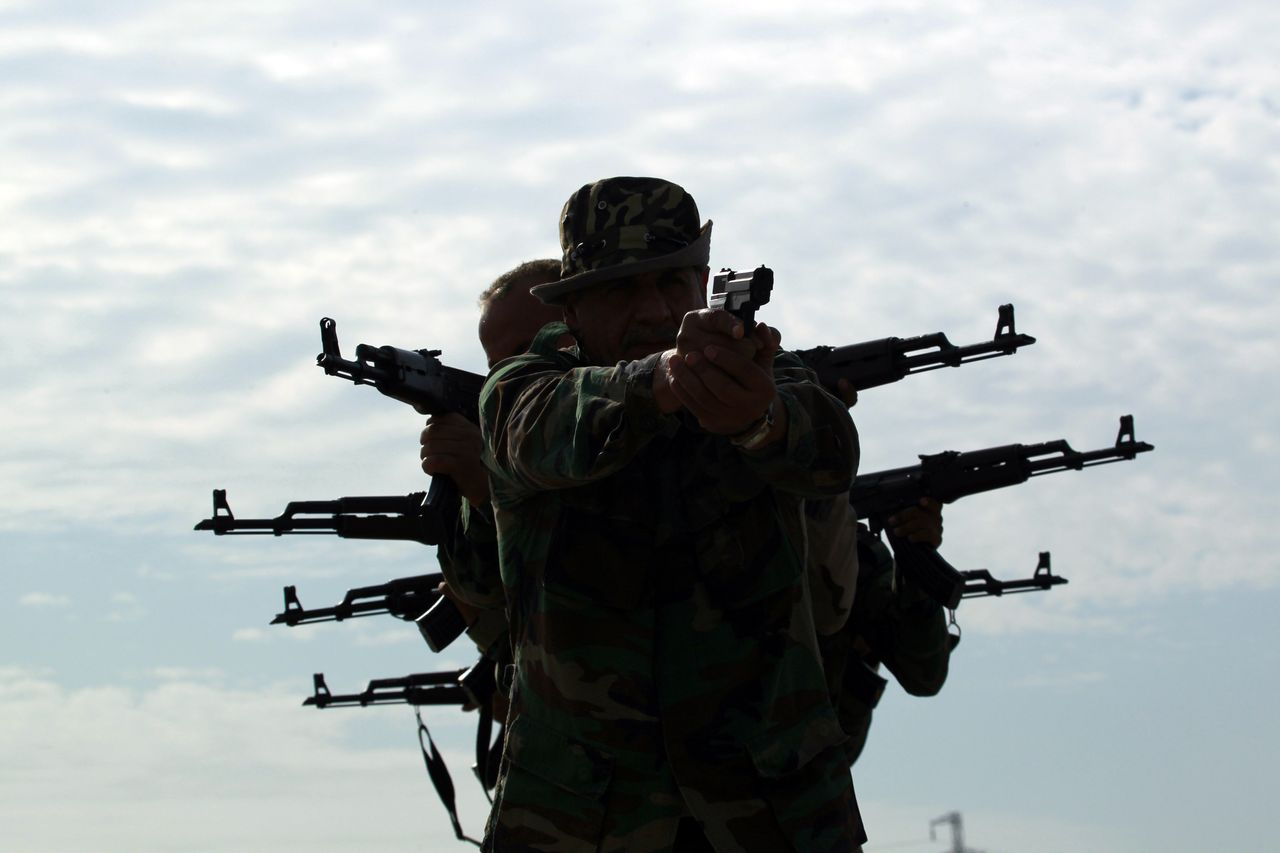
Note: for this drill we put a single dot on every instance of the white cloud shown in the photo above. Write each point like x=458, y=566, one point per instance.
x=44, y=599
x=183, y=673
x=125, y=608
x=190, y=187
x=147, y=572
x=920, y=166
x=106, y=768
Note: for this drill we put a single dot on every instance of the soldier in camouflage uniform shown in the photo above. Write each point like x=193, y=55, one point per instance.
x=450, y=445
x=648, y=487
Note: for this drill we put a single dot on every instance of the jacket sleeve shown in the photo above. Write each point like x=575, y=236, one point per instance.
x=819, y=456
x=550, y=422
x=469, y=561
x=900, y=624
x=469, y=558
x=831, y=560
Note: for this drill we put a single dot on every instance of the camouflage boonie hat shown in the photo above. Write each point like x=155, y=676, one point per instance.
x=618, y=227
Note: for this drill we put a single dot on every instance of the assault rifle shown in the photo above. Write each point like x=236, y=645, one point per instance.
x=873, y=363
x=416, y=377
x=742, y=293
x=427, y=688
x=413, y=599
x=951, y=475
x=470, y=687
x=405, y=517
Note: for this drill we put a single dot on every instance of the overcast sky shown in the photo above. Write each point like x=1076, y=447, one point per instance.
x=187, y=188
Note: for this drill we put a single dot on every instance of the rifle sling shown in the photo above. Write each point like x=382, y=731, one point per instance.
x=484, y=766
x=440, y=777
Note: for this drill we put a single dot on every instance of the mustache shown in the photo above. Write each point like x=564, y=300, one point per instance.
x=662, y=336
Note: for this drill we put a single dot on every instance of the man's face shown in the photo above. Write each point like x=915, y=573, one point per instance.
x=633, y=317
x=509, y=323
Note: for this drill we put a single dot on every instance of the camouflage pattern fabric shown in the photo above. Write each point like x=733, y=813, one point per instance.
x=666, y=660
x=831, y=539
x=469, y=563
x=619, y=227
x=893, y=623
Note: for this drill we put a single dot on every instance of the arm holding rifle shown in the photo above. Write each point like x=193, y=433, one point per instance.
x=416, y=377
x=451, y=445
x=449, y=453
x=864, y=617
x=833, y=534
x=893, y=623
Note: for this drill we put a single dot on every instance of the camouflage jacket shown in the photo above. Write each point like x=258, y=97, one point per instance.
x=831, y=548
x=469, y=563
x=893, y=622
x=666, y=661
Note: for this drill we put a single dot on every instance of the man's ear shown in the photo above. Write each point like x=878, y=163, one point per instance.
x=704, y=276
x=571, y=313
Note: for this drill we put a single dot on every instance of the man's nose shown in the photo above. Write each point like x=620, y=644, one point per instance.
x=651, y=303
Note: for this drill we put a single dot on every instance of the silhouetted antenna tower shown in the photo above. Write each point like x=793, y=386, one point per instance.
x=957, y=832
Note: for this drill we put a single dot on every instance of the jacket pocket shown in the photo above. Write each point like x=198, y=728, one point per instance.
x=553, y=792
x=747, y=556
x=805, y=779
x=784, y=749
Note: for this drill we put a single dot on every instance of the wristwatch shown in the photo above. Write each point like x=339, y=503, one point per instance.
x=754, y=435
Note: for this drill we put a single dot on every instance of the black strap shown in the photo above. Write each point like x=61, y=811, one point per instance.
x=440, y=777
x=484, y=736
x=494, y=764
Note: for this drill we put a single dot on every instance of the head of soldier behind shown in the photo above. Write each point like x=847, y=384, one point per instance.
x=634, y=263
x=510, y=317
